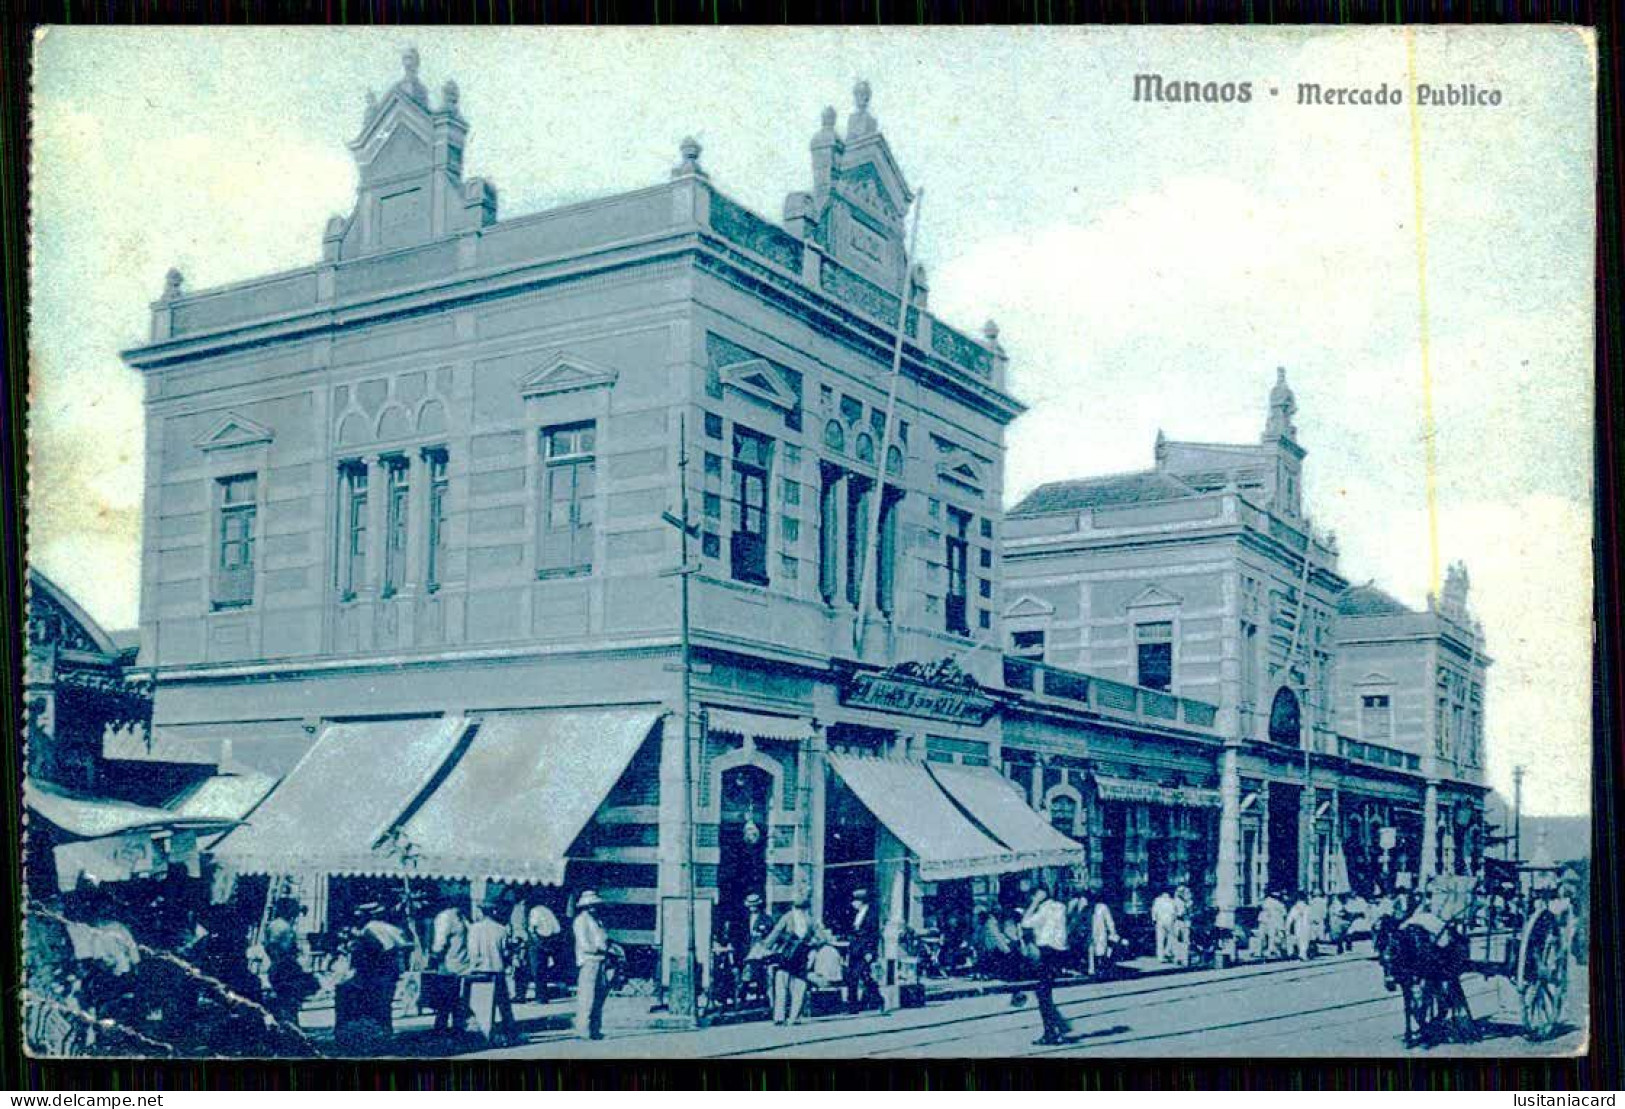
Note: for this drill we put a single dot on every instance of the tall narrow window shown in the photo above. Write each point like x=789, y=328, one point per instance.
x=234, y=568
x=397, y=512
x=353, y=532
x=569, y=469
x=958, y=553
x=748, y=545
x=858, y=493
x=439, y=486
x=1063, y=814
x=1154, y=647
x=1376, y=717
x=829, y=524
x=1249, y=664
x=886, y=552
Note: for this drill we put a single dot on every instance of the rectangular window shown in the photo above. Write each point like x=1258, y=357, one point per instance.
x=234, y=570
x=958, y=555
x=1154, y=645
x=397, y=511
x=1376, y=717
x=569, y=474
x=439, y=487
x=747, y=549
x=1458, y=732
x=829, y=512
x=886, y=567
x=857, y=533
x=1027, y=644
x=353, y=532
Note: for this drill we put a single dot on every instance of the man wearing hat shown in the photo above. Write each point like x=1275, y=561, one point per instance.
x=592, y=953
x=747, y=940
x=863, y=948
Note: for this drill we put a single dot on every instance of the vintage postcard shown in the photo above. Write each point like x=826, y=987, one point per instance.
x=841, y=543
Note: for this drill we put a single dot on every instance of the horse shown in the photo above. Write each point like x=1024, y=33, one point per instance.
x=1426, y=970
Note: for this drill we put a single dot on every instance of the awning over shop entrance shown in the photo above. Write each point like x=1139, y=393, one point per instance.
x=758, y=725
x=997, y=805
x=904, y=797
x=512, y=803
x=341, y=798
x=1128, y=789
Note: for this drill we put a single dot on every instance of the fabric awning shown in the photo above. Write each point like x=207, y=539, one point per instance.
x=904, y=797
x=996, y=803
x=94, y=817
x=1128, y=789
x=340, y=799
x=514, y=801
x=737, y=722
x=224, y=797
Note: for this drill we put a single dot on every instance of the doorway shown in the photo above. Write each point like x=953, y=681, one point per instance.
x=1283, y=833
x=742, y=842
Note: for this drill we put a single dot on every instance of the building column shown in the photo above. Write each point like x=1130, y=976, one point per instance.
x=814, y=784
x=1227, y=870
x=1306, y=838
x=1427, y=865
x=678, y=762
x=377, y=520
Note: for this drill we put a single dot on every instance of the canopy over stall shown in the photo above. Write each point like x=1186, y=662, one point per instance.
x=520, y=794
x=950, y=837
x=111, y=840
x=997, y=805
x=337, y=803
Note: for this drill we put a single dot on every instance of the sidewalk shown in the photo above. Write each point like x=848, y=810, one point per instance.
x=623, y=1015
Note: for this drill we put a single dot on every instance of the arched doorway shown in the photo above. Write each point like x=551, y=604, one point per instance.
x=742, y=841
x=1286, y=719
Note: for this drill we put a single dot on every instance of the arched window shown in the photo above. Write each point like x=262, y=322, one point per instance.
x=835, y=436
x=1286, y=724
x=1063, y=814
x=866, y=447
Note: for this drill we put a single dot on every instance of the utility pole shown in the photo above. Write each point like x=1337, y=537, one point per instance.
x=685, y=987
x=1517, y=812
x=871, y=557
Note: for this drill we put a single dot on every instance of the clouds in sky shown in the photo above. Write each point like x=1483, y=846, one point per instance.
x=1149, y=265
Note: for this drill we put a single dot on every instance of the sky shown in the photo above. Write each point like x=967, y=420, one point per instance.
x=1149, y=265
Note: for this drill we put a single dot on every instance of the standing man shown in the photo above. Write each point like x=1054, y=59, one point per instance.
x=487, y=937
x=791, y=945
x=592, y=953
x=1163, y=911
x=543, y=932
x=1102, y=937
x=1045, y=918
x=863, y=940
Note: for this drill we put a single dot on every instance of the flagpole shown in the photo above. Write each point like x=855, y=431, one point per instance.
x=872, y=556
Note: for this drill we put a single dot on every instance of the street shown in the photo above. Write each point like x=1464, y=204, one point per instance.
x=1332, y=1006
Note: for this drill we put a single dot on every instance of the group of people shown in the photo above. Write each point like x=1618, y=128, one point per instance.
x=486, y=963
x=1291, y=931
x=1005, y=947
x=1171, y=912
x=757, y=957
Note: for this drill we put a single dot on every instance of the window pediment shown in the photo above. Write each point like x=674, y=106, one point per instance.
x=233, y=431
x=565, y=373
x=1028, y=607
x=758, y=379
x=1155, y=596
x=962, y=468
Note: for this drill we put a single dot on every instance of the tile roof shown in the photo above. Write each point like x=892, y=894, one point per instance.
x=1102, y=492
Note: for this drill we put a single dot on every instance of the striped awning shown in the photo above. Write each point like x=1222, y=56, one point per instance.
x=760, y=725
x=1130, y=789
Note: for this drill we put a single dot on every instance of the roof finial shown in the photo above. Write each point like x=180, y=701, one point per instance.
x=990, y=332
x=827, y=117
x=449, y=95
x=173, y=280
x=860, y=123
x=1283, y=406
x=409, y=86
x=1160, y=451
x=690, y=149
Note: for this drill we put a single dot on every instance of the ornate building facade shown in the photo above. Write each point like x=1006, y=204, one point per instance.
x=1204, y=576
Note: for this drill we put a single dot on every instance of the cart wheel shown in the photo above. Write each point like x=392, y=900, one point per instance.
x=1545, y=983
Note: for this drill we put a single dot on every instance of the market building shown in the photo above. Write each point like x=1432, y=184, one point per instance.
x=1349, y=727
x=409, y=547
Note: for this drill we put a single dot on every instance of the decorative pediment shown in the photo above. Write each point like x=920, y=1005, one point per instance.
x=56, y=621
x=233, y=431
x=1155, y=596
x=962, y=468
x=1027, y=607
x=1376, y=678
x=874, y=184
x=565, y=373
x=758, y=379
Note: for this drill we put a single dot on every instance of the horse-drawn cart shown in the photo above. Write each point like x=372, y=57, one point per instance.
x=1515, y=923
x=1518, y=929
